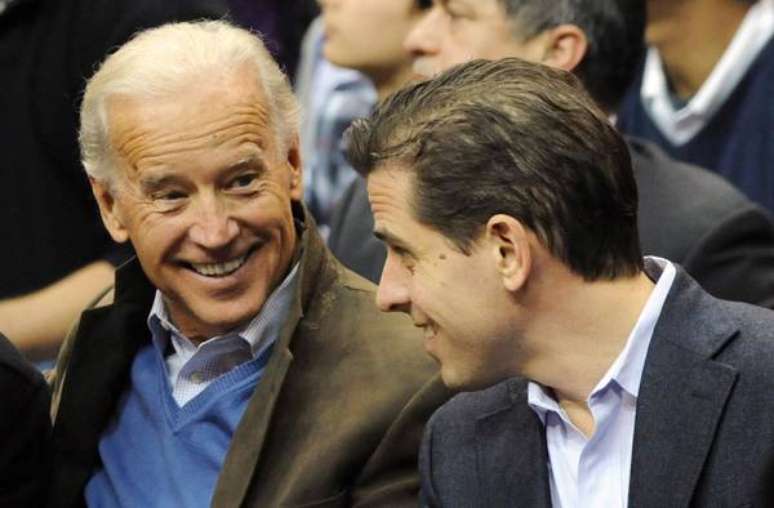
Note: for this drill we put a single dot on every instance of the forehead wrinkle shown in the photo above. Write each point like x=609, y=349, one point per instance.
x=142, y=146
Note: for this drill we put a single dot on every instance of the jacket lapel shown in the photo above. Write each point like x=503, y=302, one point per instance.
x=244, y=454
x=682, y=397
x=98, y=372
x=512, y=454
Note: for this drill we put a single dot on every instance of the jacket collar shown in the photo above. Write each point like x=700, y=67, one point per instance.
x=512, y=452
x=683, y=394
x=682, y=397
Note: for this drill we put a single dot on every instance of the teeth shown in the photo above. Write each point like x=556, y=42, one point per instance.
x=219, y=269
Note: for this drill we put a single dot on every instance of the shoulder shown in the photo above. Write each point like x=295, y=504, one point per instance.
x=349, y=301
x=24, y=393
x=752, y=349
x=672, y=225
x=460, y=414
x=15, y=371
x=673, y=179
x=735, y=334
x=342, y=323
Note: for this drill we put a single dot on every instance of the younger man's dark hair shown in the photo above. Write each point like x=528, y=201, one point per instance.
x=515, y=138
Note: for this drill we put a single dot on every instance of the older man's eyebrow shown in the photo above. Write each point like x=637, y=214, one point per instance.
x=253, y=162
x=151, y=183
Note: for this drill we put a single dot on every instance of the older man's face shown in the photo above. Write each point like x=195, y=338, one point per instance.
x=203, y=192
x=455, y=31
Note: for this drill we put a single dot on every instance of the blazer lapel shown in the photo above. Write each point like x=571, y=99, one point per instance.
x=244, y=454
x=247, y=443
x=98, y=372
x=682, y=397
x=512, y=454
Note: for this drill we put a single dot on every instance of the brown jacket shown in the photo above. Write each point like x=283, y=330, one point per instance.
x=336, y=419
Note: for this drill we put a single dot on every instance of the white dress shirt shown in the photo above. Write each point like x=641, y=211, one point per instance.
x=681, y=125
x=192, y=368
x=594, y=472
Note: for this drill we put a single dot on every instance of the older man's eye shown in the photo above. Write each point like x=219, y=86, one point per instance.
x=244, y=182
x=170, y=196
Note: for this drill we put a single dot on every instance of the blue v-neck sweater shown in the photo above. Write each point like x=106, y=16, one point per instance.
x=737, y=142
x=157, y=454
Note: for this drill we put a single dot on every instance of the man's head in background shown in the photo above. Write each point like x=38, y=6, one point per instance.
x=490, y=184
x=368, y=35
x=189, y=137
x=601, y=41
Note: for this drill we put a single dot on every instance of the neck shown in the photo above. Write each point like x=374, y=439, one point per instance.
x=387, y=83
x=691, y=37
x=575, y=333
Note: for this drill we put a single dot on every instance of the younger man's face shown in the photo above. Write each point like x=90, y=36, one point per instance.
x=456, y=298
x=455, y=31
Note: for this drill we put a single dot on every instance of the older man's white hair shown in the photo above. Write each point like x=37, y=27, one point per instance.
x=161, y=62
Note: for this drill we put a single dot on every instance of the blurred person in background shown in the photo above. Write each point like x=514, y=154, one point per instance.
x=331, y=97
x=367, y=36
x=56, y=255
x=704, y=93
x=686, y=214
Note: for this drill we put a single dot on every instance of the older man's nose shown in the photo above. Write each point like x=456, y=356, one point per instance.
x=393, y=294
x=214, y=227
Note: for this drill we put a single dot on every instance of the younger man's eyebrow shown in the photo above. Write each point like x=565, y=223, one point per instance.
x=391, y=240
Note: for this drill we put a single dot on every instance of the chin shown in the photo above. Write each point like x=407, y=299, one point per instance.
x=219, y=318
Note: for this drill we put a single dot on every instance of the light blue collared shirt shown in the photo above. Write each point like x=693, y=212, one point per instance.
x=595, y=472
x=191, y=368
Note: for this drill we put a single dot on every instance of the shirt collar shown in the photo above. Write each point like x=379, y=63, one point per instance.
x=679, y=126
x=266, y=323
x=627, y=368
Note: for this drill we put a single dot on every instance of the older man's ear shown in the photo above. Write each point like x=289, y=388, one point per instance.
x=108, y=209
x=295, y=166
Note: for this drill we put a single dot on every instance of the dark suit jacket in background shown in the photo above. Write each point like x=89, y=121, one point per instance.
x=703, y=433
x=686, y=214
x=335, y=421
x=25, y=429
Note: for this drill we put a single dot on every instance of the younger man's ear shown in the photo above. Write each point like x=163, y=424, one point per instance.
x=108, y=210
x=295, y=166
x=565, y=47
x=509, y=243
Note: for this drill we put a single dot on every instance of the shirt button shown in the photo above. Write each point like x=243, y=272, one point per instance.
x=197, y=378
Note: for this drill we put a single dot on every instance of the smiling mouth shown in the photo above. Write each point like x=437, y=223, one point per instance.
x=429, y=330
x=224, y=269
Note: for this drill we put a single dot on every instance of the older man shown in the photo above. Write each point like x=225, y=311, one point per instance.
x=685, y=213
x=240, y=364
x=509, y=209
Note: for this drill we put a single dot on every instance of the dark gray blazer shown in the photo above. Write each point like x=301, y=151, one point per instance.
x=703, y=434
x=686, y=214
